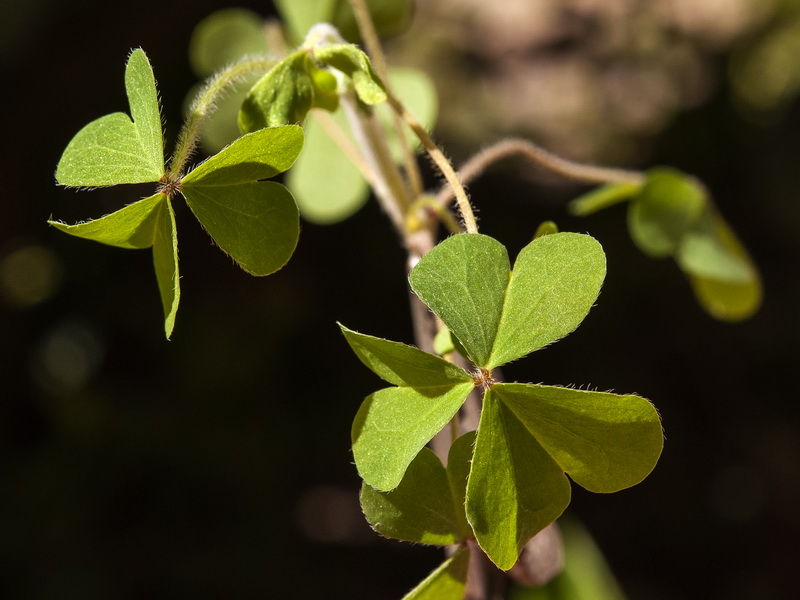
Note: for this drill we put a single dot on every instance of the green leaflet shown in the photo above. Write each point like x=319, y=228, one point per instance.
x=117, y=148
x=463, y=279
x=165, y=261
x=255, y=222
x=297, y=84
x=589, y=434
x=667, y=206
x=130, y=227
x=428, y=505
x=515, y=488
x=724, y=278
x=351, y=60
x=393, y=424
x=500, y=316
x=447, y=582
x=283, y=96
x=403, y=365
x=147, y=223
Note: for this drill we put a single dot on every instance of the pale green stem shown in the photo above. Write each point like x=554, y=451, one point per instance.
x=372, y=43
x=538, y=155
x=389, y=187
x=204, y=104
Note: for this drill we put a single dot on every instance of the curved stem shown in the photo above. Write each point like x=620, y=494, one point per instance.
x=442, y=162
x=543, y=158
x=204, y=104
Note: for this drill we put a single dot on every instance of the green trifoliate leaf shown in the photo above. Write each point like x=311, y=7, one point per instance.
x=515, y=488
x=603, y=197
x=394, y=424
x=351, y=60
x=725, y=280
x=403, y=365
x=428, y=505
x=118, y=148
x=447, y=582
x=255, y=222
x=143, y=224
x=605, y=442
x=500, y=316
x=667, y=207
x=287, y=92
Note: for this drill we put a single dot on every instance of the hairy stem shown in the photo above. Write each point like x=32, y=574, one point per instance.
x=204, y=104
x=441, y=161
x=541, y=157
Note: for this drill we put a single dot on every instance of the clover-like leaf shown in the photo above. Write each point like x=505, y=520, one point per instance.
x=394, y=424
x=428, y=505
x=255, y=222
x=530, y=437
x=144, y=224
x=500, y=316
x=118, y=148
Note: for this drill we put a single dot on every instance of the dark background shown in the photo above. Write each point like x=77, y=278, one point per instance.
x=217, y=464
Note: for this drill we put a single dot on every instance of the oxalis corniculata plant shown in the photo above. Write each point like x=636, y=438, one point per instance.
x=502, y=453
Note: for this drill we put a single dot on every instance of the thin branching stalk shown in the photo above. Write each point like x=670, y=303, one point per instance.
x=388, y=185
x=370, y=36
x=204, y=104
x=543, y=158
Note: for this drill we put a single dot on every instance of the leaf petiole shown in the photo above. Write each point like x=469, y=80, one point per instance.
x=204, y=104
